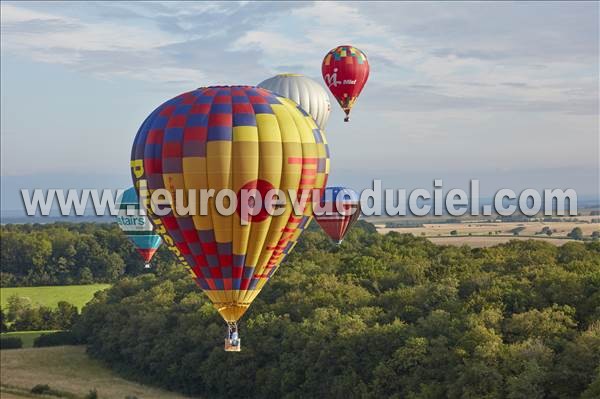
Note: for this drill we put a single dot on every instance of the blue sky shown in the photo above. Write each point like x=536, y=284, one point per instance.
x=503, y=92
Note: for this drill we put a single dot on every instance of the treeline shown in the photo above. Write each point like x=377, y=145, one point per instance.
x=55, y=338
x=66, y=253
x=390, y=316
x=21, y=315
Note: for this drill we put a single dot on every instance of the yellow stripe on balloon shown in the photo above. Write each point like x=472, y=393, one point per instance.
x=245, y=169
x=270, y=171
x=218, y=169
x=291, y=174
x=195, y=177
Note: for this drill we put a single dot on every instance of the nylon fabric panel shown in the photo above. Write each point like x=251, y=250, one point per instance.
x=307, y=93
x=139, y=177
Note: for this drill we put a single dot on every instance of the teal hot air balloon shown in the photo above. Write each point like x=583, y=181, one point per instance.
x=137, y=226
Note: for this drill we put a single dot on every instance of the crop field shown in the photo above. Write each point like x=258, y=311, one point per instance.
x=77, y=295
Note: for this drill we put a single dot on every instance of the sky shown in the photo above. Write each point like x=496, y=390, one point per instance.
x=506, y=93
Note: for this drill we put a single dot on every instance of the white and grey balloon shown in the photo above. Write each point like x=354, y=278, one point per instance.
x=307, y=93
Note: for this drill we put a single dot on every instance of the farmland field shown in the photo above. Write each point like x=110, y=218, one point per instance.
x=479, y=234
x=77, y=295
x=560, y=229
x=67, y=369
x=490, y=241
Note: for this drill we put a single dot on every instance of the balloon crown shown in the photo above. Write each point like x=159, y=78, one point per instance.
x=348, y=194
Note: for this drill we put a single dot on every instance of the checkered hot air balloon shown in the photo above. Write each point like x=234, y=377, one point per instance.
x=339, y=210
x=231, y=137
x=137, y=226
x=345, y=71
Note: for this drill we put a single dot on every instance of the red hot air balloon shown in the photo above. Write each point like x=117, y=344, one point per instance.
x=339, y=210
x=345, y=71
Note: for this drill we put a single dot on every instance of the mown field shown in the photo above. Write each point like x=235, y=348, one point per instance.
x=69, y=370
x=77, y=295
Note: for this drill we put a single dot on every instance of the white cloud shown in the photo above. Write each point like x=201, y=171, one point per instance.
x=20, y=32
x=271, y=43
x=104, y=48
x=12, y=14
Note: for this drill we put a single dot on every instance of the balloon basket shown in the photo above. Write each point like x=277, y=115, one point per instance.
x=232, y=341
x=233, y=348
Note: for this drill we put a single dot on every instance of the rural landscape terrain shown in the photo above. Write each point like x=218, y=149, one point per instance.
x=518, y=319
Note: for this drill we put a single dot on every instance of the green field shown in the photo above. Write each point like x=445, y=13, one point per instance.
x=69, y=370
x=27, y=337
x=77, y=295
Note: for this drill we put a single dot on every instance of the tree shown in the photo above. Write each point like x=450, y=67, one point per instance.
x=65, y=315
x=86, y=276
x=16, y=307
x=527, y=365
x=517, y=230
x=30, y=320
x=578, y=364
x=3, y=325
x=23, y=253
x=576, y=234
x=553, y=326
x=65, y=253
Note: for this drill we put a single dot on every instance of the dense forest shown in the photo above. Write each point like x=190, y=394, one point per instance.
x=67, y=253
x=378, y=316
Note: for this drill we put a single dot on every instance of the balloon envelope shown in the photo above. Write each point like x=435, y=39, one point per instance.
x=304, y=91
x=340, y=209
x=345, y=70
x=230, y=138
x=136, y=226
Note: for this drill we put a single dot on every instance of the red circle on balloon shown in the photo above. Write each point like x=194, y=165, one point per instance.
x=255, y=188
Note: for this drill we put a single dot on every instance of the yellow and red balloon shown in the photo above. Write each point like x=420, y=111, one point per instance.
x=230, y=137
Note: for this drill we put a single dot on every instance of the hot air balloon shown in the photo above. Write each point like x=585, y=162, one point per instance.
x=345, y=71
x=339, y=210
x=304, y=91
x=137, y=226
x=230, y=137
